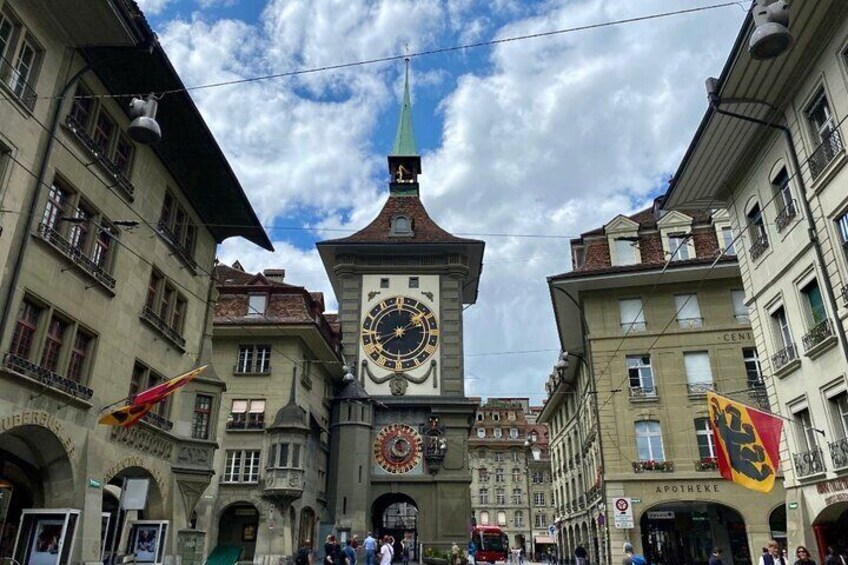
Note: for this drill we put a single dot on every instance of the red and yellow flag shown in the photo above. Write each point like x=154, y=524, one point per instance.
x=747, y=443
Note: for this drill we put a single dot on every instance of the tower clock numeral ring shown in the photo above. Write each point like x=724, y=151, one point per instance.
x=400, y=333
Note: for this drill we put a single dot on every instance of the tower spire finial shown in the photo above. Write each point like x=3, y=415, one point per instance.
x=404, y=138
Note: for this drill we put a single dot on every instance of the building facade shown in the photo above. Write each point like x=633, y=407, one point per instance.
x=510, y=465
x=652, y=319
x=783, y=181
x=105, y=288
x=278, y=353
x=402, y=283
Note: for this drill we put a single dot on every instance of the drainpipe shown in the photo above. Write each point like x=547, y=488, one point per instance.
x=715, y=103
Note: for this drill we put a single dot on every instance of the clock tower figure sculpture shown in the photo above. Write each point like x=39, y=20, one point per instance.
x=398, y=449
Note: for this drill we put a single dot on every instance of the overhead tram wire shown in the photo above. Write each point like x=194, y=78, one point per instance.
x=428, y=52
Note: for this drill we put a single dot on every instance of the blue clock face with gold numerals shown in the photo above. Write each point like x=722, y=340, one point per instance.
x=400, y=333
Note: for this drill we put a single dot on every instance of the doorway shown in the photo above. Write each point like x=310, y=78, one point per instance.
x=239, y=526
x=396, y=515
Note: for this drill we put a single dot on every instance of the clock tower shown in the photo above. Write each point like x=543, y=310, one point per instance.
x=398, y=451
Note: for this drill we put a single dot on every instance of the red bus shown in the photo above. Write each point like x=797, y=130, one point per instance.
x=491, y=542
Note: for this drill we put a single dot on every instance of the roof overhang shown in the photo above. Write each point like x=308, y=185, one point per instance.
x=568, y=314
x=309, y=333
x=472, y=249
x=723, y=146
x=105, y=22
x=188, y=149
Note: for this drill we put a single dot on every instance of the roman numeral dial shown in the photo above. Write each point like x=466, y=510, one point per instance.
x=400, y=333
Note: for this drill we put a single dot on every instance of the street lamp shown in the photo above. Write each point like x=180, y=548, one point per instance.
x=771, y=36
x=144, y=128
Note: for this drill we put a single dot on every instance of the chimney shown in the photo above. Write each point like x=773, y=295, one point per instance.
x=275, y=275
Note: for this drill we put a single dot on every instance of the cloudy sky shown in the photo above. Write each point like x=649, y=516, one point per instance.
x=525, y=144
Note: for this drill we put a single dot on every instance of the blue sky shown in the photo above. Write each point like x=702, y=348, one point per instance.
x=551, y=136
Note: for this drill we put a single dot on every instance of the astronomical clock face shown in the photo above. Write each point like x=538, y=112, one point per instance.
x=400, y=333
x=398, y=449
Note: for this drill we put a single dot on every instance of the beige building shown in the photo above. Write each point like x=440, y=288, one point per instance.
x=278, y=353
x=509, y=458
x=105, y=287
x=651, y=322
x=785, y=186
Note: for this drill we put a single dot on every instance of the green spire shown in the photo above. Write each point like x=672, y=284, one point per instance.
x=404, y=139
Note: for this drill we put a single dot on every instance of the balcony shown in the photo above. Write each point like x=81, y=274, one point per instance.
x=283, y=484
x=21, y=89
x=47, y=378
x=77, y=257
x=708, y=464
x=785, y=359
x=809, y=463
x=653, y=466
x=785, y=217
x=121, y=181
x=839, y=453
x=245, y=426
x=632, y=327
x=643, y=393
x=699, y=389
x=830, y=147
x=818, y=338
x=258, y=369
x=158, y=421
x=160, y=325
x=690, y=322
x=759, y=247
x=181, y=251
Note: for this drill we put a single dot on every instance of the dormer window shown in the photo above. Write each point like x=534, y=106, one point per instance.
x=256, y=304
x=401, y=225
x=676, y=233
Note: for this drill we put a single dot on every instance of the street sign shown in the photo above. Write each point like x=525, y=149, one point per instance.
x=635, y=501
x=623, y=512
x=552, y=530
x=793, y=505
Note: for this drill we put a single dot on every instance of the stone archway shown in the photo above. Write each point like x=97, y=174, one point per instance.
x=777, y=524
x=831, y=528
x=239, y=526
x=35, y=472
x=396, y=515
x=155, y=507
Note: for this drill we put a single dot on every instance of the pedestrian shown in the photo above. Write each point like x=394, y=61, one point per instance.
x=404, y=550
x=833, y=557
x=304, y=554
x=355, y=542
x=631, y=558
x=803, y=556
x=456, y=555
x=715, y=558
x=772, y=555
x=472, y=552
x=330, y=551
x=349, y=553
x=386, y=552
x=580, y=555
x=370, y=549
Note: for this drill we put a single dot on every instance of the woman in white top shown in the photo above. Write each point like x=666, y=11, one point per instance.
x=386, y=552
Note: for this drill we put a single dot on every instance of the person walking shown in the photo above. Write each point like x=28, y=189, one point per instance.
x=715, y=558
x=404, y=550
x=833, y=557
x=349, y=553
x=304, y=554
x=331, y=550
x=370, y=545
x=386, y=551
x=631, y=558
x=773, y=555
x=580, y=555
x=803, y=556
x=472, y=552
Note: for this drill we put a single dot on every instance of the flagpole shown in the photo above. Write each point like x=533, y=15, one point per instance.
x=769, y=412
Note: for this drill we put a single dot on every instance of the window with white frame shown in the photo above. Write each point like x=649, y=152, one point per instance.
x=820, y=117
x=705, y=438
x=740, y=311
x=726, y=241
x=541, y=521
x=499, y=475
x=483, y=475
x=641, y=375
x=247, y=415
x=753, y=370
x=813, y=303
x=649, y=443
x=839, y=414
x=517, y=496
x=538, y=499
x=484, y=515
x=757, y=231
x=785, y=203
x=483, y=496
x=842, y=228
x=678, y=246
x=783, y=334
x=516, y=457
x=501, y=518
x=241, y=466
x=479, y=417
x=519, y=519
x=806, y=434
x=496, y=417
x=699, y=375
x=253, y=359
x=21, y=58
x=625, y=251
x=498, y=432
x=688, y=311
x=481, y=433
x=500, y=497
x=256, y=304
x=499, y=457
x=631, y=314
x=513, y=433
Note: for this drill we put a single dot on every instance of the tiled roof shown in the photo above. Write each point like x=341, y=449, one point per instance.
x=647, y=220
x=638, y=267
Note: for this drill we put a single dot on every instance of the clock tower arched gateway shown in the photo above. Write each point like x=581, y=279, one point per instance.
x=398, y=448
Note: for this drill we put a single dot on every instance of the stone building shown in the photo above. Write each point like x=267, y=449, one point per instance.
x=652, y=319
x=279, y=354
x=510, y=465
x=399, y=464
x=107, y=249
x=785, y=186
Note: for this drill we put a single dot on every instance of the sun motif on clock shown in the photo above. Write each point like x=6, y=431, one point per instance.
x=400, y=333
x=398, y=448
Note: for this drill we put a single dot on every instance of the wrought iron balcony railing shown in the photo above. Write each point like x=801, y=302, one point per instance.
x=759, y=247
x=21, y=88
x=809, y=462
x=634, y=326
x=695, y=389
x=830, y=147
x=690, y=322
x=785, y=356
x=173, y=242
x=742, y=318
x=46, y=377
x=245, y=425
x=839, y=453
x=785, y=217
x=76, y=255
x=97, y=152
x=637, y=392
x=160, y=422
x=162, y=326
x=817, y=334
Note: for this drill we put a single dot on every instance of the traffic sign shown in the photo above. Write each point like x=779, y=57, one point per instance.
x=552, y=530
x=623, y=512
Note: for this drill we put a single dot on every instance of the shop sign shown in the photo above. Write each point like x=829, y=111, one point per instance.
x=833, y=499
x=732, y=337
x=660, y=515
x=688, y=489
x=835, y=485
x=623, y=512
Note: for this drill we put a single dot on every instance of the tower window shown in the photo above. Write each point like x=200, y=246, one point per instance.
x=401, y=225
x=413, y=282
x=384, y=283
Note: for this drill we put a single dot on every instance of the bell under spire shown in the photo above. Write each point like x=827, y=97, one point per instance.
x=404, y=161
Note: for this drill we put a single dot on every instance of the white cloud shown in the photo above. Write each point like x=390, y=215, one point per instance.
x=152, y=7
x=553, y=136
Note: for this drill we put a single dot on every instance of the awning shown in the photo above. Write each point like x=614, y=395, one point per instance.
x=544, y=539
